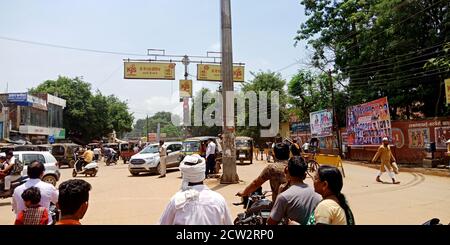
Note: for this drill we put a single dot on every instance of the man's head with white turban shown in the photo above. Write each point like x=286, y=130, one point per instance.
x=192, y=169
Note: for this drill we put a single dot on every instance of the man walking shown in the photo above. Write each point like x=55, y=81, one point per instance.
x=385, y=155
x=195, y=203
x=162, y=159
x=210, y=158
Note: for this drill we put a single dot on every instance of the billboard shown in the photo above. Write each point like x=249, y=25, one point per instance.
x=321, y=123
x=447, y=90
x=207, y=72
x=149, y=70
x=368, y=123
x=185, y=88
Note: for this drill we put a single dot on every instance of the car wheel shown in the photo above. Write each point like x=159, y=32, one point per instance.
x=71, y=163
x=134, y=173
x=50, y=179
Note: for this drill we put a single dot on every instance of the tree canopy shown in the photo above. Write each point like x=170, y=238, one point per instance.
x=87, y=116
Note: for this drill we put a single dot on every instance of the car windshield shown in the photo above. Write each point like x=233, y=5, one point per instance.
x=242, y=143
x=150, y=149
x=191, y=146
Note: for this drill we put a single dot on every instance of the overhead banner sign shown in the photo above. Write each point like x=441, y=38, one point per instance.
x=447, y=90
x=149, y=70
x=185, y=88
x=207, y=72
x=368, y=123
x=321, y=123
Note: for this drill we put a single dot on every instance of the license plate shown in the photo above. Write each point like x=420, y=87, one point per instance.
x=241, y=155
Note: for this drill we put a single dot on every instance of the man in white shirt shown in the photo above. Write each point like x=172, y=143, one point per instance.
x=49, y=194
x=195, y=203
x=162, y=159
x=210, y=158
x=12, y=171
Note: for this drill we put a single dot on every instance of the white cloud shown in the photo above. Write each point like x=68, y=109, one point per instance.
x=215, y=47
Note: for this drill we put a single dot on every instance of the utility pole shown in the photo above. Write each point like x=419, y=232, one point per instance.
x=335, y=117
x=229, y=150
x=186, y=115
x=147, y=128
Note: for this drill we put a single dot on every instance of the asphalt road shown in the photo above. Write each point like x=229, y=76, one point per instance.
x=119, y=198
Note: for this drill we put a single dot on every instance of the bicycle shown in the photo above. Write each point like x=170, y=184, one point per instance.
x=310, y=159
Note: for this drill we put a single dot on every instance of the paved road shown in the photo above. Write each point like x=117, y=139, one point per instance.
x=119, y=198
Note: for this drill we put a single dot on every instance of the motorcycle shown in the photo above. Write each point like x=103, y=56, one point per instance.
x=14, y=184
x=90, y=169
x=112, y=158
x=257, y=209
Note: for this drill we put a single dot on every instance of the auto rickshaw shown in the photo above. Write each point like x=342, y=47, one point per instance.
x=198, y=145
x=244, y=149
x=126, y=151
x=65, y=153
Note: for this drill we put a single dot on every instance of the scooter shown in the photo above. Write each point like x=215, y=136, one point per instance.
x=90, y=169
x=14, y=184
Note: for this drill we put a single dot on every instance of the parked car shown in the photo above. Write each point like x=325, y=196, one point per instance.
x=147, y=160
x=244, y=149
x=65, y=154
x=51, y=174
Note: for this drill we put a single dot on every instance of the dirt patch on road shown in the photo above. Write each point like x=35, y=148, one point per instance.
x=426, y=171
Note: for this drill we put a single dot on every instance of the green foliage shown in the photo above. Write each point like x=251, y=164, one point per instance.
x=380, y=47
x=203, y=130
x=87, y=116
x=166, y=125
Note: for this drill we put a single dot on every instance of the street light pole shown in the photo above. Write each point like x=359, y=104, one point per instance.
x=229, y=150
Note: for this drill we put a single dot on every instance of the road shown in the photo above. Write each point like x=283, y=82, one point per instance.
x=119, y=198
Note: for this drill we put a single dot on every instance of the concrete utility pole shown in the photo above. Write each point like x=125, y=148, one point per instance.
x=229, y=150
x=335, y=117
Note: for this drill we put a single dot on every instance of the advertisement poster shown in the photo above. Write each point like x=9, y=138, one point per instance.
x=418, y=137
x=321, y=123
x=441, y=135
x=208, y=72
x=149, y=70
x=185, y=88
x=368, y=123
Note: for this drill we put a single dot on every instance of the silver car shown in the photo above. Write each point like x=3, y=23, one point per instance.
x=51, y=174
x=147, y=160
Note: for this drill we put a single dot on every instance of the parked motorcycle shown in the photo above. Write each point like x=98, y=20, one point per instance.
x=90, y=169
x=257, y=209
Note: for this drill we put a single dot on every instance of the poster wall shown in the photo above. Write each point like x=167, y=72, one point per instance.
x=368, y=123
x=418, y=137
x=441, y=135
x=321, y=123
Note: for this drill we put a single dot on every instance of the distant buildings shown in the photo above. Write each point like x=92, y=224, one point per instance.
x=34, y=118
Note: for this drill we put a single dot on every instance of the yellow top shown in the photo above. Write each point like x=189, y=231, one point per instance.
x=385, y=155
x=88, y=155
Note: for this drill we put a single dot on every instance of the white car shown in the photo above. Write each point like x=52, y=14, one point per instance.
x=147, y=160
x=51, y=174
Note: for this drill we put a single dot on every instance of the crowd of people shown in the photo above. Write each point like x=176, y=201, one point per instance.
x=294, y=201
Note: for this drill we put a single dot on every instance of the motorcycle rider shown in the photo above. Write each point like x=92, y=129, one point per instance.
x=49, y=194
x=274, y=172
x=11, y=172
x=299, y=200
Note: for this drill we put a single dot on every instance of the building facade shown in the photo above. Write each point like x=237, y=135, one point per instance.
x=34, y=118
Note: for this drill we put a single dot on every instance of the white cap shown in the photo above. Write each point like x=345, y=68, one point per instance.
x=385, y=139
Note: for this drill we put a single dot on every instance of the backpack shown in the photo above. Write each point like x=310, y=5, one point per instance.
x=16, y=168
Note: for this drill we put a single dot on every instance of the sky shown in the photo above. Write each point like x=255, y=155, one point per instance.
x=263, y=34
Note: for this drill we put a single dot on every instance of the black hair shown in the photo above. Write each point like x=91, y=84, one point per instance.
x=297, y=167
x=161, y=142
x=9, y=153
x=35, y=170
x=333, y=177
x=72, y=194
x=2, y=158
x=32, y=194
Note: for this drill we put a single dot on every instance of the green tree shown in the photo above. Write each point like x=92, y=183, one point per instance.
x=87, y=116
x=269, y=82
x=203, y=130
x=380, y=47
x=166, y=125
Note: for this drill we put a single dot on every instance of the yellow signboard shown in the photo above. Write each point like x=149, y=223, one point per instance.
x=185, y=88
x=206, y=72
x=147, y=70
x=447, y=90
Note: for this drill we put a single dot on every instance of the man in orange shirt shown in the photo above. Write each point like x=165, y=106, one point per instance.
x=385, y=155
x=73, y=201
